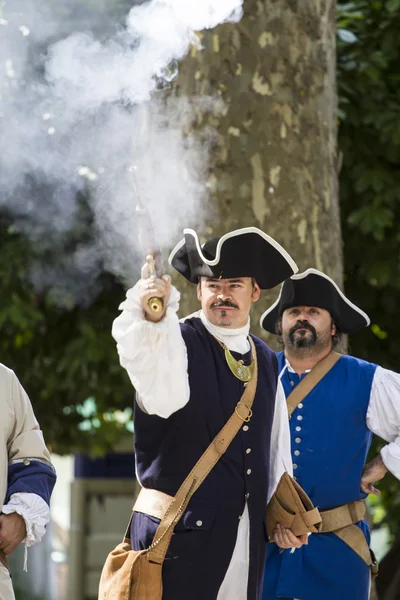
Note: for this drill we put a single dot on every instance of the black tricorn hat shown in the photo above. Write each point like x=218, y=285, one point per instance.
x=247, y=252
x=314, y=288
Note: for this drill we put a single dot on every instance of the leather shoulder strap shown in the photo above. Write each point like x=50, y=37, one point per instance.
x=309, y=382
x=208, y=460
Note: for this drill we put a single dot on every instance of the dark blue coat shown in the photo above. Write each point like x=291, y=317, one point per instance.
x=167, y=449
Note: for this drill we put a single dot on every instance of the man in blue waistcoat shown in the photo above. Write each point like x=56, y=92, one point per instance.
x=331, y=431
x=187, y=377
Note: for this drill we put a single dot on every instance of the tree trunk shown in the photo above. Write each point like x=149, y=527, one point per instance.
x=275, y=162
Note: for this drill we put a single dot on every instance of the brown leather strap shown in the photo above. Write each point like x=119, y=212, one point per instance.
x=342, y=516
x=342, y=522
x=308, y=383
x=216, y=449
x=152, y=502
x=354, y=537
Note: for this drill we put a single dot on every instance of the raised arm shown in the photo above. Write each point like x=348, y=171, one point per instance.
x=151, y=347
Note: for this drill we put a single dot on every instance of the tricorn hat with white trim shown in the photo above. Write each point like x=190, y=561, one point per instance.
x=314, y=288
x=247, y=252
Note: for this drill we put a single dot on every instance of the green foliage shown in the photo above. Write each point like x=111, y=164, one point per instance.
x=369, y=138
x=63, y=357
x=62, y=350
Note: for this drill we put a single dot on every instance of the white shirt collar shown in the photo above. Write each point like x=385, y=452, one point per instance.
x=235, y=339
x=290, y=368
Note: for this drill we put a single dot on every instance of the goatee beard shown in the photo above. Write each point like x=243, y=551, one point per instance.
x=306, y=344
x=302, y=340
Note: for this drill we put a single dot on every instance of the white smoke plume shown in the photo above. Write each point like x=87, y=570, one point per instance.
x=77, y=109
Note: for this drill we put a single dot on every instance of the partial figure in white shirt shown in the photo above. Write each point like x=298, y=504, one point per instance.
x=331, y=432
x=186, y=390
x=27, y=476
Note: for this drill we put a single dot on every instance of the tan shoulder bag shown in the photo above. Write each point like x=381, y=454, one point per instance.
x=137, y=575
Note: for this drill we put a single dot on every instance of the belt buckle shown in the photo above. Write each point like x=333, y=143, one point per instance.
x=250, y=412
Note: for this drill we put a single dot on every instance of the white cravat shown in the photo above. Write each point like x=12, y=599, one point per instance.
x=235, y=339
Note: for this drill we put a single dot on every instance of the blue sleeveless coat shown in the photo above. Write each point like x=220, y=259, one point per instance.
x=167, y=449
x=329, y=441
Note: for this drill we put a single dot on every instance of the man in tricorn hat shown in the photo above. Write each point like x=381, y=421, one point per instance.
x=189, y=377
x=331, y=429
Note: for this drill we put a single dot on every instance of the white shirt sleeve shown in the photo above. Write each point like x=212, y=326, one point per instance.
x=383, y=416
x=154, y=355
x=35, y=512
x=281, y=457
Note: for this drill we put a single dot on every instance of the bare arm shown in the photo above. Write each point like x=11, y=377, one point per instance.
x=374, y=471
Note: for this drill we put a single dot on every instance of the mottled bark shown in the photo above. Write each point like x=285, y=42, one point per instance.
x=275, y=162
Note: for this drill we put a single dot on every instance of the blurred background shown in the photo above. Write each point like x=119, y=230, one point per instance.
x=287, y=119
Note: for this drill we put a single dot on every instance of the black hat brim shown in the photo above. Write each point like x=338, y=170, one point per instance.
x=247, y=252
x=314, y=288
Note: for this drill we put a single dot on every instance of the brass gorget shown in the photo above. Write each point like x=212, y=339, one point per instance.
x=240, y=370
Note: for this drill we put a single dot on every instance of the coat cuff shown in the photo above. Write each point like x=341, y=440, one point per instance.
x=35, y=512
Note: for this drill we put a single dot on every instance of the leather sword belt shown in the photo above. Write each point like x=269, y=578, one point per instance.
x=341, y=521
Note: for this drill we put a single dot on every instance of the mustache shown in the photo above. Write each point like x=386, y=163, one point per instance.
x=224, y=303
x=303, y=325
